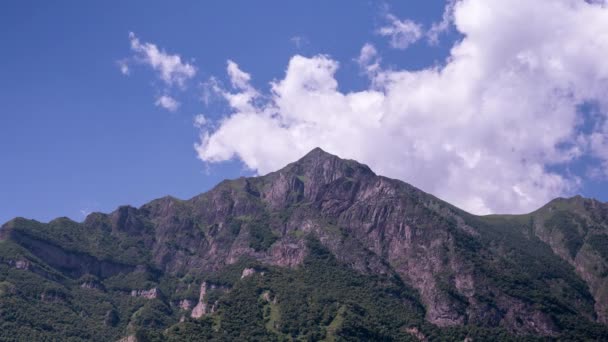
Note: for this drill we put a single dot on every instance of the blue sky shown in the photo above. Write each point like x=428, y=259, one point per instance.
x=77, y=135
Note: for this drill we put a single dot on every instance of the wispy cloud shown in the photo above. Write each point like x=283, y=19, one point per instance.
x=442, y=26
x=368, y=59
x=84, y=212
x=170, y=67
x=402, y=33
x=123, y=66
x=199, y=120
x=298, y=41
x=167, y=102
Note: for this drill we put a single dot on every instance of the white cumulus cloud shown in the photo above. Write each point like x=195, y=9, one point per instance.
x=170, y=67
x=481, y=131
x=242, y=99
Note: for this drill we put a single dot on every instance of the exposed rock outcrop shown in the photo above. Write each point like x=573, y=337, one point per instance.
x=414, y=331
x=23, y=264
x=576, y=229
x=148, y=294
x=247, y=272
x=73, y=263
x=93, y=285
x=186, y=304
x=495, y=271
x=201, y=307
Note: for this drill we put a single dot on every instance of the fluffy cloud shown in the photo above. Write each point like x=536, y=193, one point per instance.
x=483, y=131
x=167, y=102
x=242, y=99
x=402, y=33
x=238, y=78
x=170, y=68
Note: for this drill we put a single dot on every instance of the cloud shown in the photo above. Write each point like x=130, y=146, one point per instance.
x=242, y=99
x=124, y=67
x=167, y=102
x=483, y=131
x=84, y=212
x=298, y=41
x=440, y=27
x=238, y=78
x=200, y=121
x=170, y=68
x=368, y=59
x=402, y=33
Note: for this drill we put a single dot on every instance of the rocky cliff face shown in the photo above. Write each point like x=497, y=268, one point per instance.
x=522, y=274
x=575, y=229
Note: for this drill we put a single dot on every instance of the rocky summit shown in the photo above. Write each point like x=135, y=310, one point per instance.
x=323, y=249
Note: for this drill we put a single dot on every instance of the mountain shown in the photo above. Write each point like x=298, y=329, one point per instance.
x=323, y=249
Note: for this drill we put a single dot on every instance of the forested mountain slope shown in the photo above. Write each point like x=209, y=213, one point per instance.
x=323, y=249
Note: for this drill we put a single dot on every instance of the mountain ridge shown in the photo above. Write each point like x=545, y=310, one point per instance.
x=460, y=269
x=311, y=155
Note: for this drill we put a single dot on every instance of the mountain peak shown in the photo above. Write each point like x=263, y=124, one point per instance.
x=317, y=153
x=325, y=167
x=310, y=176
x=322, y=222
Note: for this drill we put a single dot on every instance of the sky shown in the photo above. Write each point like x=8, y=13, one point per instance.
x=495, y=106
